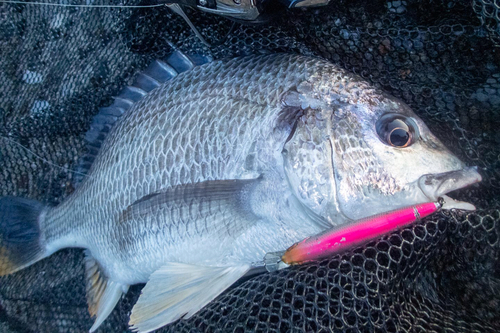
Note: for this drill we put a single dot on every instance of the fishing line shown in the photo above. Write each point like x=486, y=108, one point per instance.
x=81, y=6
x=173, y=6
x=43, y=159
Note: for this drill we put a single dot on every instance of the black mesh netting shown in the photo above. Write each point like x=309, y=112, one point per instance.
x=60, y=64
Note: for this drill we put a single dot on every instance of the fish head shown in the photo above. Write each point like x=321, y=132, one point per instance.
x=350, y=159
x=384, y=157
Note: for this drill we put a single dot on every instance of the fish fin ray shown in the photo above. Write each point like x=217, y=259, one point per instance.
x=224, y=202
x=20, y=243
x=179, y=290
x=102, y=293
x=157, y=73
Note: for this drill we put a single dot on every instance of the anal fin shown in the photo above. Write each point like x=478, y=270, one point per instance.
x=102, y=293
x=179, y=290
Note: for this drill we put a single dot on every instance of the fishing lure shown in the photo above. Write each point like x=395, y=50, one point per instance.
x=343, y=237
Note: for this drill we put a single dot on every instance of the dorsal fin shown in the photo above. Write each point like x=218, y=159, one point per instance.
x=102, y=293
x=157, y=73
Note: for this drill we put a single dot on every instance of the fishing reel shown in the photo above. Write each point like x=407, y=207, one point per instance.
x=244, y=11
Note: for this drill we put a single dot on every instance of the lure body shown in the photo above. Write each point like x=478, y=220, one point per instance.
x=341, y=238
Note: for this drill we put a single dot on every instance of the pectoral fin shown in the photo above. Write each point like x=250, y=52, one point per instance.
x=180, y=290
x=222, y=205
x=102, y=293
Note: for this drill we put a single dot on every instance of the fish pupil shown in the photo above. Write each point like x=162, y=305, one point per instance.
x=396, y=130
x=399, y=137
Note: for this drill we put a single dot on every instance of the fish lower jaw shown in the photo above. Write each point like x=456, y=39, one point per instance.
x=435, y=186
x=450, y=203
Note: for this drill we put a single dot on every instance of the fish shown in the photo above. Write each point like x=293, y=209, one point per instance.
x=221, y=164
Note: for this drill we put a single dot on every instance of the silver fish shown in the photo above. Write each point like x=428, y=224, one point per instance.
x=219, y=166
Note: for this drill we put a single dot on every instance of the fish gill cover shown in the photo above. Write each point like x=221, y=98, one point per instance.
x=60, y=64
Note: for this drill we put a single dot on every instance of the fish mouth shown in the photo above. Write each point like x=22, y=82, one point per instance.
x=435, y=186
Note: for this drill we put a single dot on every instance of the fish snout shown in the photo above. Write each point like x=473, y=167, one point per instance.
x=438, y=185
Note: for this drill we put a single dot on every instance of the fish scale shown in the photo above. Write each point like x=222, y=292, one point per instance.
x=226, y=162
x=211, y=159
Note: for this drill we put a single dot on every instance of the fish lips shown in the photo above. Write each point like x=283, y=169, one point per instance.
x=437, y=185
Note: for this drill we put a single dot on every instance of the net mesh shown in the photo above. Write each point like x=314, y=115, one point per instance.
x=60, y=64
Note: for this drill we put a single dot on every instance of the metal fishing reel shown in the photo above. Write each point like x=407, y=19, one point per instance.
x=245, y=11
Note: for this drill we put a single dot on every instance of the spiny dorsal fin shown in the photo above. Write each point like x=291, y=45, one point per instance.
x=102, y=293
x=159, y=72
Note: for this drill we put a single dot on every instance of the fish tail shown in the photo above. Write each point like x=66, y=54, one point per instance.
x=20, y=241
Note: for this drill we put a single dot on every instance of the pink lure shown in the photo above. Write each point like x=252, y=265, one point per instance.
x=341, y=238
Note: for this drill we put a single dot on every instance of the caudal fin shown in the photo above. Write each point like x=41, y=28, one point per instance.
x=19, y=234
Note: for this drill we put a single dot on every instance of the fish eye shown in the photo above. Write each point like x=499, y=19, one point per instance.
x=396, y=130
